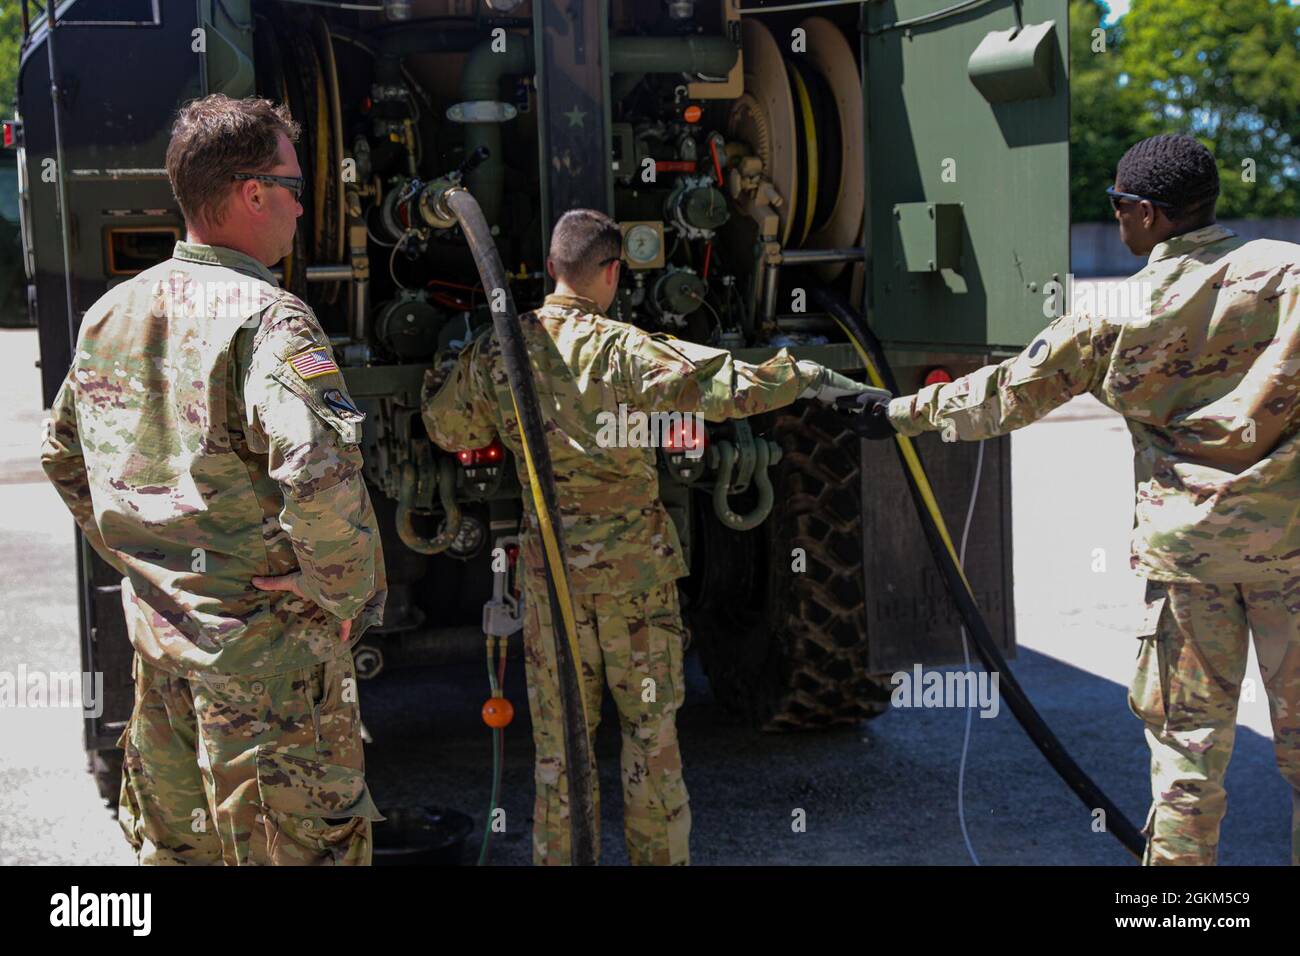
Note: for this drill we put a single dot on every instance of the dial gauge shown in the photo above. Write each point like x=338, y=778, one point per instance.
x=643, y=245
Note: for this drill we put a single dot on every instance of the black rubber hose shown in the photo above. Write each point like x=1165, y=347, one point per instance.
x=1047, y=743
x=514, y=352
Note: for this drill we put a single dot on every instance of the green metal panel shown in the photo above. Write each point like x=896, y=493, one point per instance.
x=979, y=187
x=927, y=236
x=228, y=59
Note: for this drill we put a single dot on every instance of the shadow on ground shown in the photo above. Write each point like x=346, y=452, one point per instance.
x=883, y=792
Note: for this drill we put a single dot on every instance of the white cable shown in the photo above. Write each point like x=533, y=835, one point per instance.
x=965, y=651
x=392, y=261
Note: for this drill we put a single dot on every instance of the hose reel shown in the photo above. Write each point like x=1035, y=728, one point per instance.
x=802, y=116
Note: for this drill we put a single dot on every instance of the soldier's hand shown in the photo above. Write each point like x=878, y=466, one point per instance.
x=869, y=413
x=291, y=583
x=831, y=385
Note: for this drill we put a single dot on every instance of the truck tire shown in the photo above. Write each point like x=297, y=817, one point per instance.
x=787, y=649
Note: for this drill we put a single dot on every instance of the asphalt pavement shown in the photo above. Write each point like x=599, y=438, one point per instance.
x=884, y=792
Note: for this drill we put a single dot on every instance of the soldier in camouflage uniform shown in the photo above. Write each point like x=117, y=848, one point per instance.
x=623, y=552
x=1205, y=374
x=205, y=443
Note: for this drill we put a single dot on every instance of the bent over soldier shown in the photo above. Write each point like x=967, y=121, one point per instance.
x=205, y=442
x=1205, y=374
x=624, y=555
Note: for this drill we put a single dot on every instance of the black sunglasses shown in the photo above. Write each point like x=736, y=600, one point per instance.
x=1117, y=197
x=292, y=183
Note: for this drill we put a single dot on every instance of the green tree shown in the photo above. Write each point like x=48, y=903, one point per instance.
x=1106, y=112
x=1227, y=72
x=11, y=35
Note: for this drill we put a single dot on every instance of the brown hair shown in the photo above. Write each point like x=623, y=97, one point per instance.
x=215, y=137
x=581, y=241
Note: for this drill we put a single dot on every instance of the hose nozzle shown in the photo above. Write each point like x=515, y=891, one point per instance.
x=857, y=403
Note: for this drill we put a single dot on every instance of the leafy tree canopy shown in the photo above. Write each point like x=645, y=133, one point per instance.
x=1224, y=71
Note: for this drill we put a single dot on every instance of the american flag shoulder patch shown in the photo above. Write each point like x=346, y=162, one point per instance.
x=313, y=363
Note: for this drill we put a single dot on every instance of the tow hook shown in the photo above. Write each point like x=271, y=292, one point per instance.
x=416, y=497
x=737, y=464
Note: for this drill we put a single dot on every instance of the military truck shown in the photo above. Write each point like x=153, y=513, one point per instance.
x=908, y=156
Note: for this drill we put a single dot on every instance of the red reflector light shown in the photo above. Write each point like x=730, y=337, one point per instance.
x=685, y=436
x=487, y=455
x=937, y=376
x=11, y=134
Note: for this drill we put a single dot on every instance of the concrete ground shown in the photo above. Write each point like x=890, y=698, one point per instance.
x=881, y=793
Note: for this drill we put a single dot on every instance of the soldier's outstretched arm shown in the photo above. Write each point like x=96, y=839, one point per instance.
x=1066, y=359
x=298, y=412
x=458, y=413
x=663, y=374
x=66, y=468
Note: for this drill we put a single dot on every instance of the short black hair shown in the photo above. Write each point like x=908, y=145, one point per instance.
x=1173, y=168
x=581, y=241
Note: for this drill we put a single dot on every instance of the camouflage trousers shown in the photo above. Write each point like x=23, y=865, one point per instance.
x=1191, y=665
x=633, y=643
x=246, y=770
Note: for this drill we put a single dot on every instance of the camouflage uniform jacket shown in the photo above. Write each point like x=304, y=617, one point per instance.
x=619, y=537
x=204, y=436
x=1205, y=372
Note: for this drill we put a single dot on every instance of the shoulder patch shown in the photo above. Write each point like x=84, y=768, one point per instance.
x=313, y=363
x=1037, y=353
x=340, y=402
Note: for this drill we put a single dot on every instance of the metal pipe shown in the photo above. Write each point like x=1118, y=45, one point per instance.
x=360, y=309
x=787, y=7
x=481, y=80
x=710, y=55
x=337, y=272
x=791, y=257
x=769, y=291
x=804, y=323
x=802, y=256
x=341, y=272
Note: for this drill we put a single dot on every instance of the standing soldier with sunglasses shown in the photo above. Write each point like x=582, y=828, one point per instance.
x=205, y=443
x=1205, y=370
x=624, y=556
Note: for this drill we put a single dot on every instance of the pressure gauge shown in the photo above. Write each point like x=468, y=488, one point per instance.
x=643, y=244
